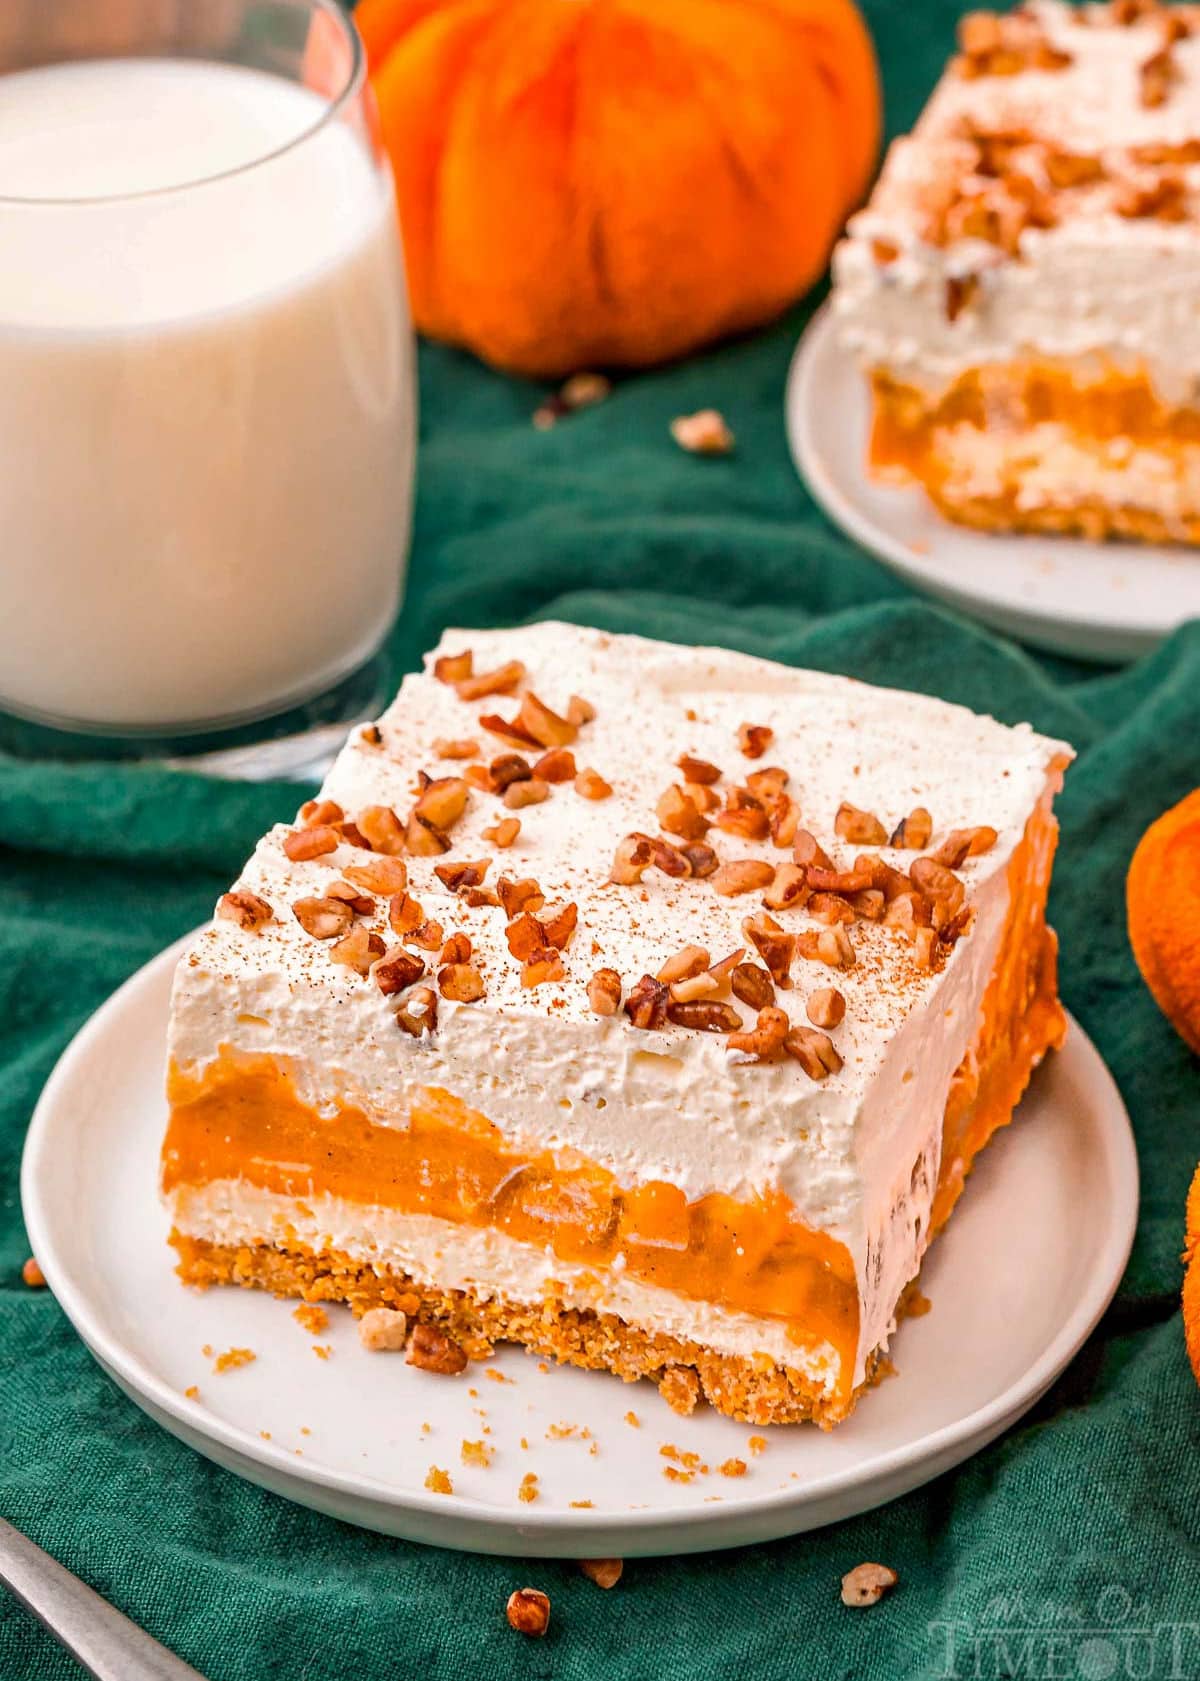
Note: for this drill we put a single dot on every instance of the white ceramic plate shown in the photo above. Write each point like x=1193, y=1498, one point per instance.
x=1104, y=601
x=1023, y=1272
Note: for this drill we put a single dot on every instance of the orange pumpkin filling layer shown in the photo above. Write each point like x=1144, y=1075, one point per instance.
x=1013, y=397
x=243, y=1119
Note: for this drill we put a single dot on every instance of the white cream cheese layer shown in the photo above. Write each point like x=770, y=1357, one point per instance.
x=671, y=1105
x=1098, y=284
x=488, y=1264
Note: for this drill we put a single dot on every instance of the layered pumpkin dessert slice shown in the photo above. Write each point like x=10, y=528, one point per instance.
x=1023, y=289
x=643, y=1005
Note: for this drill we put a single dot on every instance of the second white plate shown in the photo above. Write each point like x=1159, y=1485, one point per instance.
x=1021, y=1275
x=1102, y=601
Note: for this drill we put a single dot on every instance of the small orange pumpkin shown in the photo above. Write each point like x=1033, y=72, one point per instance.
x=1191, y=1278
x=588, y=183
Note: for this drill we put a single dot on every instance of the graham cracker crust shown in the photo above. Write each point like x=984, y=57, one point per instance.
x=1097, y=521
x=753, y=1391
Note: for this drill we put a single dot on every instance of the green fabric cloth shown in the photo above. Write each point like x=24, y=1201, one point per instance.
x=1094, y=1495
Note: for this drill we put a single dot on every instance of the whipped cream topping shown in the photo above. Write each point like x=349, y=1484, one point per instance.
x=857, y=1153
x=1098, y=283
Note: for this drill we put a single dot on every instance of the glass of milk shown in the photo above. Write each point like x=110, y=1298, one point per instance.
x=206, y=363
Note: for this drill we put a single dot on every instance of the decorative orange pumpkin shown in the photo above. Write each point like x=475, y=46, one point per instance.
x=588, y=183
x=1163, y=903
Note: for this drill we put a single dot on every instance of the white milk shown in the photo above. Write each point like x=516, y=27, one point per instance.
x=206, y=403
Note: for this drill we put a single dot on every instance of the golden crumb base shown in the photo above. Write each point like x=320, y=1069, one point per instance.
x=1097, y=521
x=753, y=1391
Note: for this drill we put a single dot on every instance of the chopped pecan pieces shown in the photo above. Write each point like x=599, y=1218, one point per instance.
x=765, y=1038
x=961, y=844
x=807, y=851
x=504, y=833
x=908, y=912
x=542, y=965
x=704, y=1016
x=245, y=908
x=646, y=1005
x=830, y=907
x=362, y=904
x=832, y=946
x=698, y=770
x=543, y=725
x=776, y=948
x=314, y=814
x=870, y=905
x=423, y=838
x=434, y=1351
x=303, y=844
x=592, y=786
x=558, y=765
x=383, y=1330
x=464, y=747
x=669, y=859
x=405, y=913
x=455, y=876
x=460, y=981
x=518, y=896
x=742, y=875
x=679, y=814
x=502, y=681
x=506, y=769
x=752, y=985
x=862, y=827
x=518, y=795
x=605, y=1572
x=826, y=1007
x=604, y=992
x=943, y=889
x=701, y=857
x=397, y=969
x=381, y=829
x=814, y=1051
x=632, y=859
x=789, y=889
x=429, y=936
x=509, y=730
x=580, y=711
x=838, y=881
x=358, y=949
x=381, y=875
x=889, y=881
x=686, y=963
x=372, y=736
x=559, y=928
x=1156, y=78
x=1165, y=198
x=721, y=972
x=744, y=815
x=691, y=987
x=702, y=433
x=754, y=739
x=443, y=801
x=528, y=1611
x=418, y=1013
x=457, y=949
x=454, y=668
x=324, y=919
x=913, y=832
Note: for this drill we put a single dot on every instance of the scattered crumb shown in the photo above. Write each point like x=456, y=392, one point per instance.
x=733, y=1468
x=560, y=1432
x=542, y=1366
x=866, y=1584
x=495, y=1376
x=525, y=1443
x=580, y=1505
x=192, y=1392
x=266, y=1435
x=476, y=1453
x=529, y=1487
x=676, y=1475
x=382, y=1330
x=757, y=1444
x=438, y=1481
x=322, y=1350
x=703, y=433
x=634, y=1420
x=33, y=1275
x=426, y=1428
x=473, y=1393
x=233, y=1358
x=689, y=1461
x=918, y=1305
x=312, y=1316
x=305, y=1431
x=207, y=1351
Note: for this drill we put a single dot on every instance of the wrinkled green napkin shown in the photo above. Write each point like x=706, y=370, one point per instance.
x=1084, y=1517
